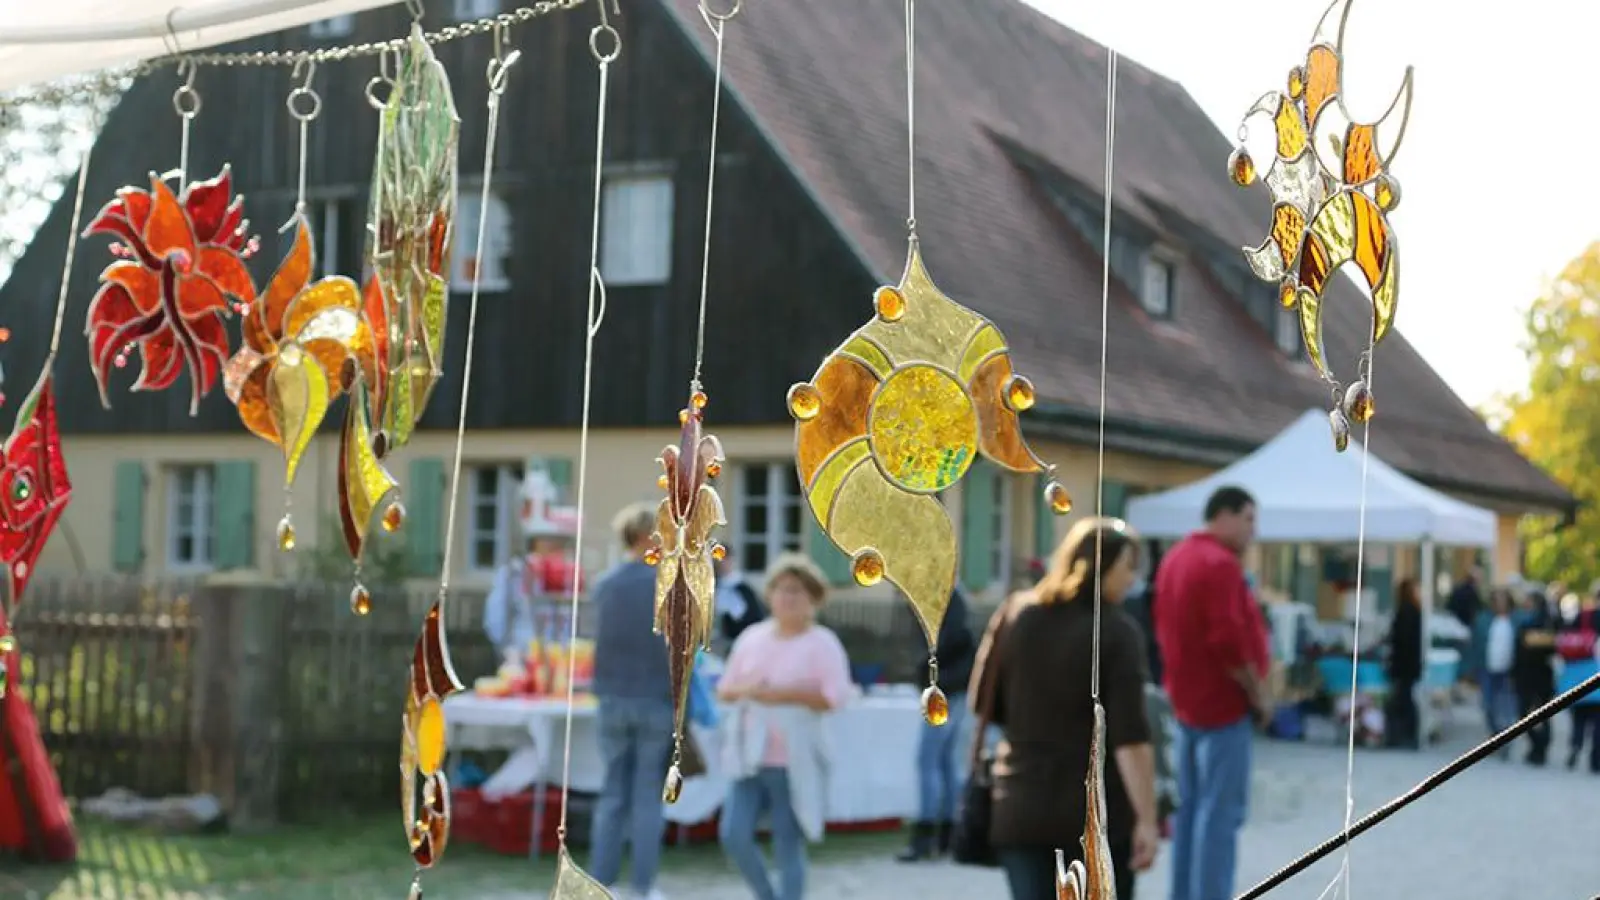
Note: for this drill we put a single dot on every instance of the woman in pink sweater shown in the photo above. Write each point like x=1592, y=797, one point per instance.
x=782, y=675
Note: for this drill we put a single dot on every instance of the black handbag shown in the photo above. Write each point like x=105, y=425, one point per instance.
x=969, y=841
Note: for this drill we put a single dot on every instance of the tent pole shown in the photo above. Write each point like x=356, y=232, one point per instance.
x=1428, y=584
x=179, y=21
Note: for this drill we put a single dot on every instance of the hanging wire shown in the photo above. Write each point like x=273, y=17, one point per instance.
x=72, y=249
x=1105, y=325
x=717, y=22
x=911, y=118
x=605, y=45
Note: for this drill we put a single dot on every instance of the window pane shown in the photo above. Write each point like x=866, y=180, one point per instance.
x=755, y=556
x=791, y=520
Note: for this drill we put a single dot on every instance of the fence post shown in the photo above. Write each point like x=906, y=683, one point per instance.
x=238, y=721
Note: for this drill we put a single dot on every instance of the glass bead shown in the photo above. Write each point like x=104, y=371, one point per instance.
x=1386, y=193
x=1019, y=394
x=804, y=402
x=1359, y=405
x=1055, y=494
x=1241, y=168
x=286, y=534
x=1341, y=429
x=360, y=600
x=393, y=517
x=8, y=644
x=890, y=304
x=867, y=567
x=935, y=706
x=652, y=556
x=719, y=552
x=1297, y=82
x=713, y=469
x=683, y=416
x=1288, y=293
x=699, y=400
x=673, y=787
x=661, y=481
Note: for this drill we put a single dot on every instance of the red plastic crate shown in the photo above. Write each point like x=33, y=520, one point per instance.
x=507, y=825
x=866, y=826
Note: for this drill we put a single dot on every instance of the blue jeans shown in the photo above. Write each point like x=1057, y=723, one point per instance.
x=939, y=775
x=765, y=792
x=1213, y=797
x=1499, y=700
x=636, y=744
x=1031, y=871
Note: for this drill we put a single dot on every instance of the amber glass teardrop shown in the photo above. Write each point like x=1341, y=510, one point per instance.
x=699, y=400
x=1359, y=404
x=1019, y=394
x=935, y=706
x=360, y=600
x=661, y=481
x=652, y=556
x=713, y=469
x=1341, y=429
x=285, y=534
x=393, y=517
x=673, y=786
x=1288, y=294
x=867, y=567
x=890, y=303
x=804, y=402
x=1241, y=168
x=1055, y=494
x=719, y=552
x=1386, y=193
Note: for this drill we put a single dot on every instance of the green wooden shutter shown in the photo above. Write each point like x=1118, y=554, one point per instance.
x=559, y=468
x=977, y=526
x=127, y=538
x=830, y=559
x=234, y=514
x=1113, y=499
x=1044, y=523
x=425, y=517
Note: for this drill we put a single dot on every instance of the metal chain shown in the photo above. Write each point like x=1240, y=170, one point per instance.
x=115, y=80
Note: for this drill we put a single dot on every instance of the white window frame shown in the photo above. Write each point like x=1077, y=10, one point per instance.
x=636, y=228
x=495, y=250
x=781, y=491
x=1158, y=277
x=1286, y=331
x=1000, y=532
x=333, y=27
x=195, y=484
x=508, y=485
x=473, y=10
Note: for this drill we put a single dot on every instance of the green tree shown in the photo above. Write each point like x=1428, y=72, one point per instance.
x=1555, y=421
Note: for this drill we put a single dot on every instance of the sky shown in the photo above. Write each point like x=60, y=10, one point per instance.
x=1482, y=223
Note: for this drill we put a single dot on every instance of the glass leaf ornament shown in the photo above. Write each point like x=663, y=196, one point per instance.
x=409, y=235
x=303, y=343
x=1331, y=192
x=181, y=270
x=34, y=491
x=425, y=794
x=893, y=417
x=573, y=883
x=365, y=486
x=683, y=554
x=1091, y=878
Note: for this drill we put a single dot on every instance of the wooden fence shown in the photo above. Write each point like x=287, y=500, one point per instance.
x=273, y=695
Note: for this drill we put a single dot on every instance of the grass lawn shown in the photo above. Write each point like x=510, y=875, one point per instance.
x=363, y=859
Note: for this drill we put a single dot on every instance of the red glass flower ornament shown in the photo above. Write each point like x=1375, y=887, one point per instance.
x=182, y=269
x=34, y=488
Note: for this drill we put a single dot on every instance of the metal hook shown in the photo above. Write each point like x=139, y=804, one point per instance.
x=414, y=7
x=186, y=100
x=712, y=16
x=303, y=102
x=501, y=61
x=387, y=57
x=604, y=30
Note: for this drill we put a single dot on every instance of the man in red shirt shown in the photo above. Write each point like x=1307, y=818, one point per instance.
x=1214, y=647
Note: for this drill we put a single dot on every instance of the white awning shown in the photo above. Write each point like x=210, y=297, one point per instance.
x=67, y=37
x=1308, y=493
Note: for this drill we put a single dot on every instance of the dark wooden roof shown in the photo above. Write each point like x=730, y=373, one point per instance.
x=996, y=77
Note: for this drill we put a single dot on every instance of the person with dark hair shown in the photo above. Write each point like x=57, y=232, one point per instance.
x=938, y=775
x=1532, y=675
x=1034, y=668
x=1402, y=727
x=738, y=604
x=1215, y=650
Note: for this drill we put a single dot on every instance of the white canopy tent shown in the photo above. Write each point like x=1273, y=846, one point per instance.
x=1306, y=493
x=66, y=37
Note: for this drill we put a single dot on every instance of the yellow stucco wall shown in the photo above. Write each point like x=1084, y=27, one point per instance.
x=622, y=469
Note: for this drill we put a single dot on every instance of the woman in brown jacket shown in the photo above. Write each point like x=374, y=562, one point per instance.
x=1038, y=648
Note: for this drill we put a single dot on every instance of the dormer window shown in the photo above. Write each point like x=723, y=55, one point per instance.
x=1155, y=289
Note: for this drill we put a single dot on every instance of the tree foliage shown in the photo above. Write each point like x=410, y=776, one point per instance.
x=1555, y=421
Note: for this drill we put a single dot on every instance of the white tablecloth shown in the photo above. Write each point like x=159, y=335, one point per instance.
x=874, y=743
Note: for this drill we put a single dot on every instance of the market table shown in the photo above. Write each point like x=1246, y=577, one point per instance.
x=874, y=745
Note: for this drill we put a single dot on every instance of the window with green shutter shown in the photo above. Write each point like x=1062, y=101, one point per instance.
x=1044, y=522
x=424, y=529
x=979, y=503
x=127, y=537
x=234, y=514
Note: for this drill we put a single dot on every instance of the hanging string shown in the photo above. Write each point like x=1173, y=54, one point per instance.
x=304, y=106
x=596, y=314
x=72, y=249
x=1425, y=787
x=911, y=118
x=717, y=22
x=186, y=102
x=1105, y=325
